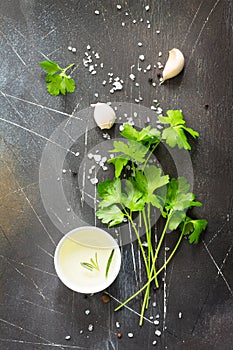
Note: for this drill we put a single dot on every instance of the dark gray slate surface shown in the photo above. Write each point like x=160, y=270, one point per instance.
x=36, y=310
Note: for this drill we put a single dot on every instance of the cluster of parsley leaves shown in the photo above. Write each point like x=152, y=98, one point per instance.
x=148, y=187
x=57, y=80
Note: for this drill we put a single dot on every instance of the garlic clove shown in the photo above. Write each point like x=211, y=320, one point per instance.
x=174, y=64
x=104, y=115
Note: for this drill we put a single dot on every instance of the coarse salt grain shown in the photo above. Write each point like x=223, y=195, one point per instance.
x=130, y=335
x=141, y=57
x=90, y=327
x=118, y=324
x=160, y=53
x=132, y=76
x=68, y=337
x=158, y=332
x=97, y=12
x=180, y=315
x=156, y=322
x=123, y=24
x=88, y=47
x=139, y=44
x=157, y=31
x=154, y=342
x=147, y=7
x=118, y=7
x=74, y=49
x=64, y=171
x=94, y=181
x=96, y=94
x=70, y=48
x=87, y=312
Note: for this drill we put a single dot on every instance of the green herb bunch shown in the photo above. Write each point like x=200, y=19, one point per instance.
x=148, y=188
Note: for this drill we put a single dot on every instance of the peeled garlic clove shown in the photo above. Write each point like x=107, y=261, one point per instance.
x=104, y=115
x=174, y=64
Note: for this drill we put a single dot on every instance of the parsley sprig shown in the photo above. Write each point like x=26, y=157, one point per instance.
x=56, y=78
x=147, y=187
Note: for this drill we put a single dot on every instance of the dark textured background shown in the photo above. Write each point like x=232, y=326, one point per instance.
x=36, y=310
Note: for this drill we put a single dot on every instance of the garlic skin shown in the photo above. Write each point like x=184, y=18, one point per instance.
x=104, y=115
x=174, y=64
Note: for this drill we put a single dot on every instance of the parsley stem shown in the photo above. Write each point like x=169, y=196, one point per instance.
x=150, y=154
x=157, y=273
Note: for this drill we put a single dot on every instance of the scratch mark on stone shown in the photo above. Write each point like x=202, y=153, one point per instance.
x=45, y=251
x=52, y=52
x=62, y=346
x=35, y=133
x=165, y=291
x=26, y=331
x=84, y=167
x=201, y=31
x=129, y=308
x=218, y=268
x=190, y=26
x=13, y=49
x=39, y=105
x=50, y=32
x=38, y=218
x=133, y=255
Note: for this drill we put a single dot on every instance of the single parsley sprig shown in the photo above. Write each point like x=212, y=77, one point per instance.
x=147, y=187
x=56, y=78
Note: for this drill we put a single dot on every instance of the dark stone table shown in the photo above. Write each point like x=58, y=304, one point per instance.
x=194, y=304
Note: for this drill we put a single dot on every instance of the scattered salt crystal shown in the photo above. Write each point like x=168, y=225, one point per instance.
x=70, y=48
x=81, y=331
x=68, y=209
x=118, y=324
x=58, y=179
x=155, y=101
x=167, y=249
x=126, y=13
x=140, y=98
x=74, y=49
x=141, y=57
x=148, y=119
x=151, y=317
x=139, y=69
x=153, y=108
x=148, y=67
x=160, y=53
x=136, y=100
x=97, y=157
x=123, y=24
x=148, y=26
x=104, y=82
x=157, y=316
x=156, y=322
x=90, y=327
x=154, y=304
x=94, y=180
x=158, y=332
x=145, y=244
x=101, y=65
x=77, y=154
x=159, y=110
x=137, y=84
x=97, y=12
x=144, y=70
x=121, y=128
x=132, y=76
x=64, y=171
x=96, y=94
x=118, y=7
x=153, y=84
x=134, y=21
x=139, y=44
x=157, y=31
x=154, y=342
x=105, y=168
x=68, y=337
x=93, y=72
x=88, y=47
x=135, y=113
x=141, y=19
x=147, y=21
x=117, y=85
x=90, y=155
x=115, y=108
x=111, y=91
x=130, y=335
x=147, y=7
x=180, y=315
x=87, y=312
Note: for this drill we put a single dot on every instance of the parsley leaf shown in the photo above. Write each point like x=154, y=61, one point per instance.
x=109, y=192
x=148, y=182
x=193, y=228
x=110, y=215
x=119, y=163
x=56, y=78
x=133, y=197
x=146, y=136
x=178, y=200
x=175, y=134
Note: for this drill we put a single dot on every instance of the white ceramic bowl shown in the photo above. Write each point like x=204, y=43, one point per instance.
x=80, y=245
